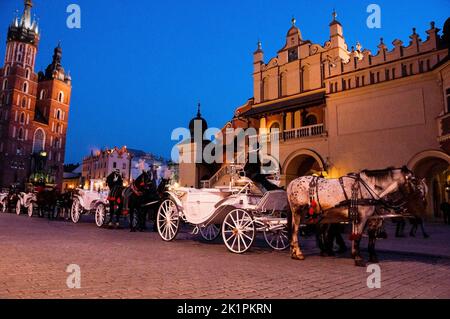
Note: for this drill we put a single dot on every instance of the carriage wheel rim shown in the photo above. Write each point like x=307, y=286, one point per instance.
x=75, y=212
x=238, y=231
x=210, y=232
x=167, y=220
x=278, y=240
x=99, y=216
x=18, y=207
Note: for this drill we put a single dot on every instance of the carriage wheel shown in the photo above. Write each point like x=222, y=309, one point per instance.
x=30, y=210
x=238, y=231
x=168, y=220
x=75, y=212
x=4, y=205
x=210, y=232
x=18, y=207
x=277, y=239
x=100, y=214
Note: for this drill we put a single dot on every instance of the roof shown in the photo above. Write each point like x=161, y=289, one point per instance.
x=71, y=175
x=288, y=105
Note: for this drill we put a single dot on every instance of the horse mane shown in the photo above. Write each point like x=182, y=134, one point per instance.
x=379, y=174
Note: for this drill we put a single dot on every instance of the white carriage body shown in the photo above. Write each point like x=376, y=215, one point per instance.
x=90, y=199
x=207, y=206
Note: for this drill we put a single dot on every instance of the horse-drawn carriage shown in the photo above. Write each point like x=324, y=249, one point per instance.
x=238, y=212
x=89, y=202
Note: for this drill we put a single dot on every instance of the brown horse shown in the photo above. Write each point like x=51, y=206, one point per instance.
x=333, y=197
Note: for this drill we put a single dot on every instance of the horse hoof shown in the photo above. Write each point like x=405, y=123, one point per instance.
x=298, y=257
x=360, y=263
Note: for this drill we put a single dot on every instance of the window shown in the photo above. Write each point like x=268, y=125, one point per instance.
x=42, y=95
x=344, y=85
x=283, y=84
x=25, y=87
x=24, y=102
x=20, y=134
x=404, y=70
x=7, y=69
x=310, y=119
x=27, y=74
x=387, y=75
x=114, y=165
x=22, y=118
x=275, y=127
x=124, y=166
x=61, y=97
x=411, y=70
x=363, y=80
x=3, y=99
x=5, y=85
x=38, y=141
x=421, y=67
x=378, y=77
x=58, y=115
x=393, y=74
x=265, y=90
x=357, y=81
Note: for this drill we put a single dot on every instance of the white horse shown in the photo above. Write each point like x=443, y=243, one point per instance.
x=333, y=197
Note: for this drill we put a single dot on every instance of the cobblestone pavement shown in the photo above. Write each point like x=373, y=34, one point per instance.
x=35, y=254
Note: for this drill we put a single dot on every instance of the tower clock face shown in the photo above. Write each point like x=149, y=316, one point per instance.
x=292, y=55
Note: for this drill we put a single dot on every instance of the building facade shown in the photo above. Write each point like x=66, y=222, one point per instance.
x=97, y=167
x=338, y=109
x=34, y=108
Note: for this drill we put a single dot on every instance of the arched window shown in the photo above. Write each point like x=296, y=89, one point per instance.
x=265, y=90
x=310, y=119
x=25, y=87
x=58, y=114
x=56, y=143
x=27, y=74
x=61, y=97
x=5, y=85
x=22, y=118
x=20, y=134
x=274, y=127
x=283, y=84
x=6, y=70
x=42, y=95
x=24, y=102
x=38, y=141
x=58, y=128
x=3, y=99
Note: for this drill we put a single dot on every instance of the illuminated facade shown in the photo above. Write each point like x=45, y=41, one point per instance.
x=339, y=109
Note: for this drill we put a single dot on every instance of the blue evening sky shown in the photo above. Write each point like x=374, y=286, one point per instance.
x=139, y=67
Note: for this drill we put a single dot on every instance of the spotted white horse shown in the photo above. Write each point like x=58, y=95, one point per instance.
x=333, y=197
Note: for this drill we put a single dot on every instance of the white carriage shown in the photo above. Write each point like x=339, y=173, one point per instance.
x=89, y=202
x=238, y=213
x=26, y=201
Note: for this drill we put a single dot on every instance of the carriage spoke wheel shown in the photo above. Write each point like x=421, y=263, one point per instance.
x=75, y=212
x=18, y=207
x=277, y=239
x=210, y=232
x=168, y=220
x=238, y=231
x=100, y=214
x=4, y=205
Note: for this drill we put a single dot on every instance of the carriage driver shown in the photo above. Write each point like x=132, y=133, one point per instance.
x=115, y=184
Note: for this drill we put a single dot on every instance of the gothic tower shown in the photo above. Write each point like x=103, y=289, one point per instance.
x=33, y=108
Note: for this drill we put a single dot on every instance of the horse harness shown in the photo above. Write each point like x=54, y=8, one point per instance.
x=352, y=202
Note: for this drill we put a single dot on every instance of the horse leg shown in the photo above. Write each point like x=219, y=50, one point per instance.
x=296, y=252
x=372, y=230
x=356, y=241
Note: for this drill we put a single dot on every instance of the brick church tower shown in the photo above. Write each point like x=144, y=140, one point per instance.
x=34, y=109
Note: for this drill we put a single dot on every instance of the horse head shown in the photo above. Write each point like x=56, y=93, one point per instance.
x=389, y=180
